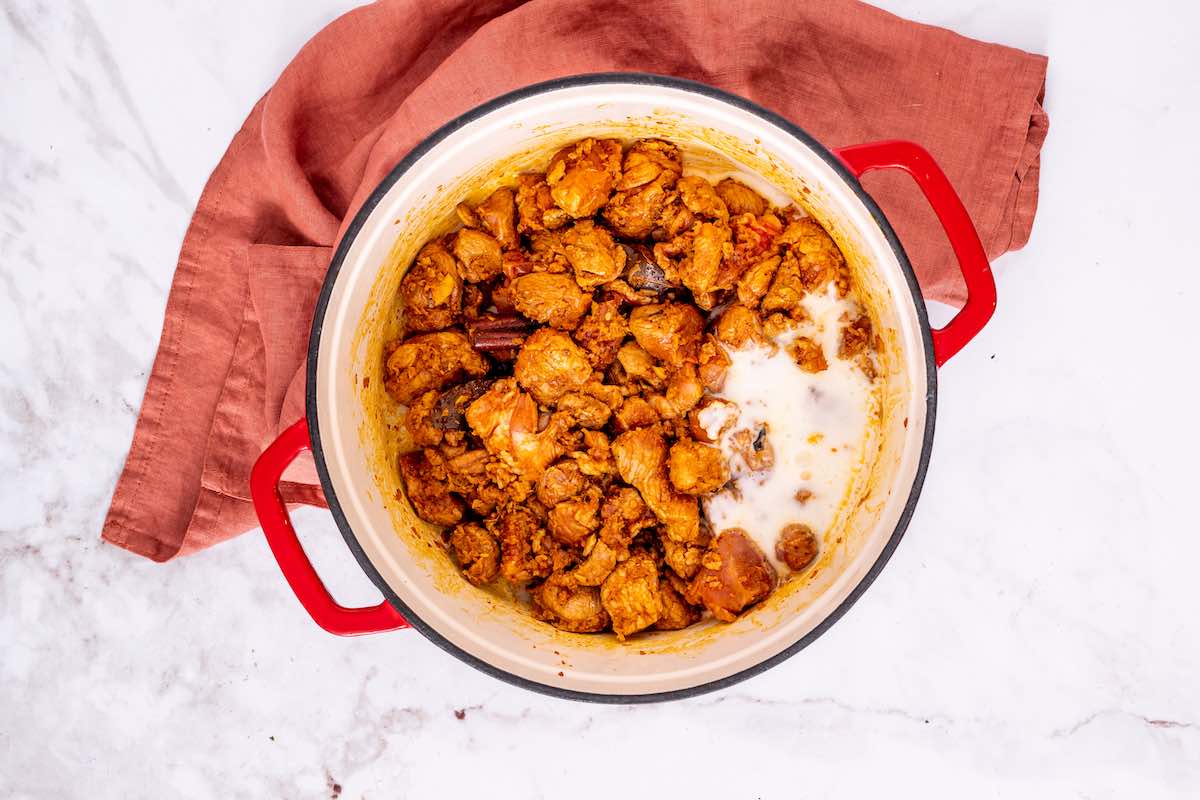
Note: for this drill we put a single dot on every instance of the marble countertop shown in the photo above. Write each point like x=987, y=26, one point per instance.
x=1036, y=634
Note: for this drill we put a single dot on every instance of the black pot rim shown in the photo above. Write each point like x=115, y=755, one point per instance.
x=641, y=79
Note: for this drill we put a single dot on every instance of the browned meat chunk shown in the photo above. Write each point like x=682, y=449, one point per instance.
x=553, y=299
x=787, y=288
x=697, y=468
x=597, y=566
x=536, y=210
x=682, y=557
x=623, y=516
x=753, y=448
x=550, y=365
x=701, y=198
x=668, y=331
x=700, y=268
x=636, y=412
x=641, y=457
x=524, y=547
x=649, y=174
x=820, y=260
x=601, y=333
x=734, y=574
x=560, y=482
x=631, y=595
x=797, y=546
x=640, y=367
x=595, y=460
x=479, y=255
x=428, y=492
x=739, y=328
x=593, y=254
x=477, y=553
x=584, y=411
x=677, y=613
x=740, y=198
x=755, y=281
x=582, y=175
x=714, y=364
x=856, y=338
x=419, y=421
x=572, y=521
x=431, y=291
x=506, y=419
x=430, y=361
x=497, y=216
x=684, y=390
x=569, y=606
x=807, y=354
x=711, y=417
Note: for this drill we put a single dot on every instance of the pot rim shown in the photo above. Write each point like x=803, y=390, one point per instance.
x=637, y=79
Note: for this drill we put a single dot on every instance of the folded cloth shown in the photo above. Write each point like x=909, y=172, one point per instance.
x=229, y=373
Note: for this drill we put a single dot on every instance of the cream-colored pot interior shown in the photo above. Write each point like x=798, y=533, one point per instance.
x=355, y=417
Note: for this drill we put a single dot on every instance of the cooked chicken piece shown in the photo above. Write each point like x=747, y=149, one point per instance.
x=641, y=457
x=497, y=216
x=684, y=390
x=754, y=238
x=467, y=215
x=547, y=253
x=636, y=412
x=674, y=221
x=536, y=210
x=596, y=460
x=427, y=492
x=525, y=552
x=739, y=328
x=807, y=354
x=797, y=546
x=753, y=449
x=740, y=198
x=650, y=171
x=560, y=482
x=683, y=557
x=696, y=468
x=550, y=365
x=568, y=606
x=699, y=268
x=856, y=338
x=478, y=254
x=596, y=567
x=583, y=411
x=593, y=254
x=611, y=396
x=668, y=331
x=820, y=260
x=506, y=419
x=477, y=553
x=623, y=516
x=755, y=281
x=709, y=420
x=474, y=476
x=778, y=323
x=640, y=366
x=601, y=333
x=714, y=363
x=431, y=290
x=582, y=175
x=787, y=288
x=701, y=198
x=475, y=299
x=631, y=595
x=430, y=361
x=419, y=422
x=734, y=574
x=553, y=299
x=677, y=614
x=572, y=521
x=647, y=161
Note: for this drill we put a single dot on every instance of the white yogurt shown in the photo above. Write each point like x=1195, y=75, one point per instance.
x=819, y=426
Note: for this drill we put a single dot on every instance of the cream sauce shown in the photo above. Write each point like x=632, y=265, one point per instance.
x=818, y=424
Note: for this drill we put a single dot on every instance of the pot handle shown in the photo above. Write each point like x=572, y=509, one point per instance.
x=281, y=536
x=972, y=260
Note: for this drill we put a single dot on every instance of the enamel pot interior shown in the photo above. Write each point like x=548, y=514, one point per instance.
x=351, y=418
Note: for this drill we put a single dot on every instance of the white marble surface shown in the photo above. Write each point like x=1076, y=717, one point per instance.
x=1036, y=634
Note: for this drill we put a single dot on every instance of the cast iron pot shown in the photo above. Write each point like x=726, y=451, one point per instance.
x=347, y=414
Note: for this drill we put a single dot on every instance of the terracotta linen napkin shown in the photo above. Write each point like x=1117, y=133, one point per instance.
x=229, y=373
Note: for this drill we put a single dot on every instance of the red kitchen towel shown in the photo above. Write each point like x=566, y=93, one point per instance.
x=229, y=374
